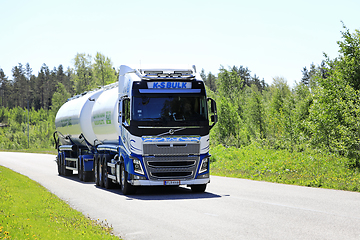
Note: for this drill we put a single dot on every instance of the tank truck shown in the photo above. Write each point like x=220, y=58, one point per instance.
x=150, y=128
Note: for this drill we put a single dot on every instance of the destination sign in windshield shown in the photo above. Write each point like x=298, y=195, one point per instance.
x=169, y=85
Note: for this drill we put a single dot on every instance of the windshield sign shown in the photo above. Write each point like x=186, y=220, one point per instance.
x=169, y=85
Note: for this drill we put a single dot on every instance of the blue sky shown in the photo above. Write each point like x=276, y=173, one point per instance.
x=272, y=38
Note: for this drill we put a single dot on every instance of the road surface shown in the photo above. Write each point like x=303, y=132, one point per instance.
x=229, y=209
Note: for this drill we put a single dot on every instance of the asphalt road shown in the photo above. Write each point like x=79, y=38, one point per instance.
x=229, y=209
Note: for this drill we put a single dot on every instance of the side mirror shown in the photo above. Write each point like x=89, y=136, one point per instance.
x=213, y=112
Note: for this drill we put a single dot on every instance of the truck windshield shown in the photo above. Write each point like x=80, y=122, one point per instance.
x=173, y=108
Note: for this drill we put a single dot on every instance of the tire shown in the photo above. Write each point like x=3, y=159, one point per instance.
x=80, y=169
x=62, y=164
x=198, y=188
x=126, y=187
x=107, y=182
x=66, y=172
x=59, y=164
x=96, y=170
x=101, y=171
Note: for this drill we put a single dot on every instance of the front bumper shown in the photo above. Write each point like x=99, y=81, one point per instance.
x=162, y=182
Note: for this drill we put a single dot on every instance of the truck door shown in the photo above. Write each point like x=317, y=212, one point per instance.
x=124, y=118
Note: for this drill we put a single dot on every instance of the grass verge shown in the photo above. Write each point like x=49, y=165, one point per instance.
x=307, y=168
x=29, y=211
x=44, y=151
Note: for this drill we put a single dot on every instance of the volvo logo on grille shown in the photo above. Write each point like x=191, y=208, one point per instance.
x=171, y=131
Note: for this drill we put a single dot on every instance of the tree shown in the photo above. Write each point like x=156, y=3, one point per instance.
x=4, y=88
x=255, y=113
x=305, y=78
x=20, y=86
x=335, y=113
x=276, y=117
x=59, y=98
x=103, y=71
x=83, y=77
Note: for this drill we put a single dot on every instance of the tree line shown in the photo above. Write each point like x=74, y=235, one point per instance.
x=38, y=91
x=320, y=112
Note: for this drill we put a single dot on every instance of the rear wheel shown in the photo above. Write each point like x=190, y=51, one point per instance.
x=59, y=164
x=101, y=171
x=66, y=172
x=80, y=169
x=96, y=170
x=107, y=182
x=198, y=188
x=126, y=187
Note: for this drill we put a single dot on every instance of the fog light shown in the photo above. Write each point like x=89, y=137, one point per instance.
x=136, y=177
x=206, y=175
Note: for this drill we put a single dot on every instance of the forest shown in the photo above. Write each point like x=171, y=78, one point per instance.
x=321, y=112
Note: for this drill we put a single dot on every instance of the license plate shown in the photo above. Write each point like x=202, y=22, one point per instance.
x=172, y=182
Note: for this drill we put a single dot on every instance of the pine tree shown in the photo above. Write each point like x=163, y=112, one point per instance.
x=3, y=88
x=305, y=78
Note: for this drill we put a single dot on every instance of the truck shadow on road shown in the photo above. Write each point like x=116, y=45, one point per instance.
x=169, y=193
x=153, y=193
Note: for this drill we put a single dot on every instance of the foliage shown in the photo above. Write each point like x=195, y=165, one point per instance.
x=334, y=114
x=103, y=71
x=15, y=136
x=29, y=211
x=307, y=168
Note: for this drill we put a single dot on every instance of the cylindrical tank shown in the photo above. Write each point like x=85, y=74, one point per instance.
x=94, y=115
x=74, y=119
x=104, y=117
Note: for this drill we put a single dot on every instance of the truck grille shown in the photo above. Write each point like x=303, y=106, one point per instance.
x=171, y=160
x=171, y=167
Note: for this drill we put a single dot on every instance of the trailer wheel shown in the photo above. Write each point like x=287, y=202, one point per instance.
x=66, y=172
x=107, y=182
x=198, y=188
x=96, y=170
x=62, y=164
x=80, y=169
x=58, y=160
x=126, y=187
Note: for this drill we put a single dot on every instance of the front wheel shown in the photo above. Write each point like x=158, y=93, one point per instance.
x=126, y=187
x=198, y=188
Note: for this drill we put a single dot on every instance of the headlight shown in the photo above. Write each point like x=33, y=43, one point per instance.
x=204, y=165
x=137, y=166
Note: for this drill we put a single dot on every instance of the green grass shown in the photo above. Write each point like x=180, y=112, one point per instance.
x=33, y=150
x=29, y=211
x=307, y=168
